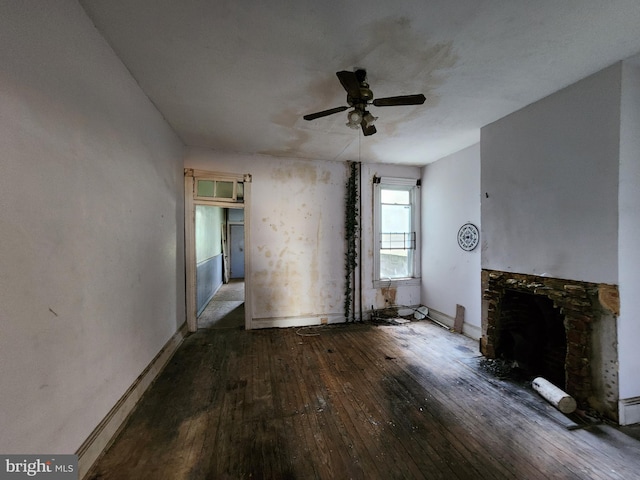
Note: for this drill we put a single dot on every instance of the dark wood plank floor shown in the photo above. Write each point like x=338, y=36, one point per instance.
x=356, y=401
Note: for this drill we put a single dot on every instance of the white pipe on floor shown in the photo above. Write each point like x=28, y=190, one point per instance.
x=556, y=397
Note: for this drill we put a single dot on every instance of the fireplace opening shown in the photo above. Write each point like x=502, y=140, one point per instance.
x=532, y=337
x=559, y=329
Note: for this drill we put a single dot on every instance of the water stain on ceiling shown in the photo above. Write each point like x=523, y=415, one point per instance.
x=399, y=61
x=238, y=79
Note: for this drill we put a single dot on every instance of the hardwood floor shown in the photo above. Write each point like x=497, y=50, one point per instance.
x=356, y=401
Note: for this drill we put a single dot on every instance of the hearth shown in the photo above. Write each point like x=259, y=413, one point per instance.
x=562, y=330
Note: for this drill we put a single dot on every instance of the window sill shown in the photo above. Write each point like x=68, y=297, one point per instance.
x=397, y=282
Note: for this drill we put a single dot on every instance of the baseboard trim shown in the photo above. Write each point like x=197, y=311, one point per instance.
x=107, y=430
x=629, y=411
x=305, y=321
x=439, y=317
x=471, y=331
x=468, y=330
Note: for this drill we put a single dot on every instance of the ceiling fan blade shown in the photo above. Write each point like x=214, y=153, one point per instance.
x=367, y=130
x=324, y=113
x=349, y=81
x=400, y=100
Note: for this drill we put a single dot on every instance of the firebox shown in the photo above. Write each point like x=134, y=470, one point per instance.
x=532, y=336
x=562, y=330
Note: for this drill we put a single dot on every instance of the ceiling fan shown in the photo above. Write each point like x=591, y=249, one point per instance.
x=359, y=97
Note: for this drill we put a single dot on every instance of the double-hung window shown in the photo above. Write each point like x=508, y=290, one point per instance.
x=396, y=231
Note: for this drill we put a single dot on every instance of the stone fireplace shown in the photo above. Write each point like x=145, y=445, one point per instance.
x=563, y=330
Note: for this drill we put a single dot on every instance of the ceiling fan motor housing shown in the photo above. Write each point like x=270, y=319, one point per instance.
x=365, y=97
x=365, y=92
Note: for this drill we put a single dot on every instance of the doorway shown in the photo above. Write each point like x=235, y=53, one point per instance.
x=216, y=232
x=219, y=256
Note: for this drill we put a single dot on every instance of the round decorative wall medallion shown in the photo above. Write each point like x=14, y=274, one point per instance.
x=468, y=237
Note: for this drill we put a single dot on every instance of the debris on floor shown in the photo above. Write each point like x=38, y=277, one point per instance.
x=502, y=369
x=399, y=321
x=397, y=315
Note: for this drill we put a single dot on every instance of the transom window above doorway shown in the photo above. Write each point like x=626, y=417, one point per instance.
x=223, y=190
x=217, y=187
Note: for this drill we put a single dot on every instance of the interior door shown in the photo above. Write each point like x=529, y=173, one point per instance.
x=236, y=251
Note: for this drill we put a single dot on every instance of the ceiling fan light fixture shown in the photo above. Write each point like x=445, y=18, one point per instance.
x=369, y=119
x=355, y=118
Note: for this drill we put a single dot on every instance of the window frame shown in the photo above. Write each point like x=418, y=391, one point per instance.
x=412, y=185
x=237, y=187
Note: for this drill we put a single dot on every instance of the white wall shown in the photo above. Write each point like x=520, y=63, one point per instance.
x=450, y=275
x=91, y=242
x=297, y=243
x=550, y=184
x=629, y=260
x=209, y=222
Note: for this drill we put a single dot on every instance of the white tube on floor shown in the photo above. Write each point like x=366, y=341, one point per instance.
x=556, y=397
x=421, y=312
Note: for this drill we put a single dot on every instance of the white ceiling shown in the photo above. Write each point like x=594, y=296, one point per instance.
x=238, y=75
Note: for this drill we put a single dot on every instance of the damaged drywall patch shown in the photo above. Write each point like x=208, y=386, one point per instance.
x=386, y=296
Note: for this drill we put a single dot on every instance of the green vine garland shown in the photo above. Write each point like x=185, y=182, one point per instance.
x=351, y=235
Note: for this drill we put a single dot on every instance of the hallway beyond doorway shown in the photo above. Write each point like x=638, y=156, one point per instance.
x=226, y=308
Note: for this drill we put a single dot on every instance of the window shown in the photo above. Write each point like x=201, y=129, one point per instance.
x=221, y=190
x=396, y=231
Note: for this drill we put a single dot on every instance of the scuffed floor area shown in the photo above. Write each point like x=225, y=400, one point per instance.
x=355, y=401
x=226, y=308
